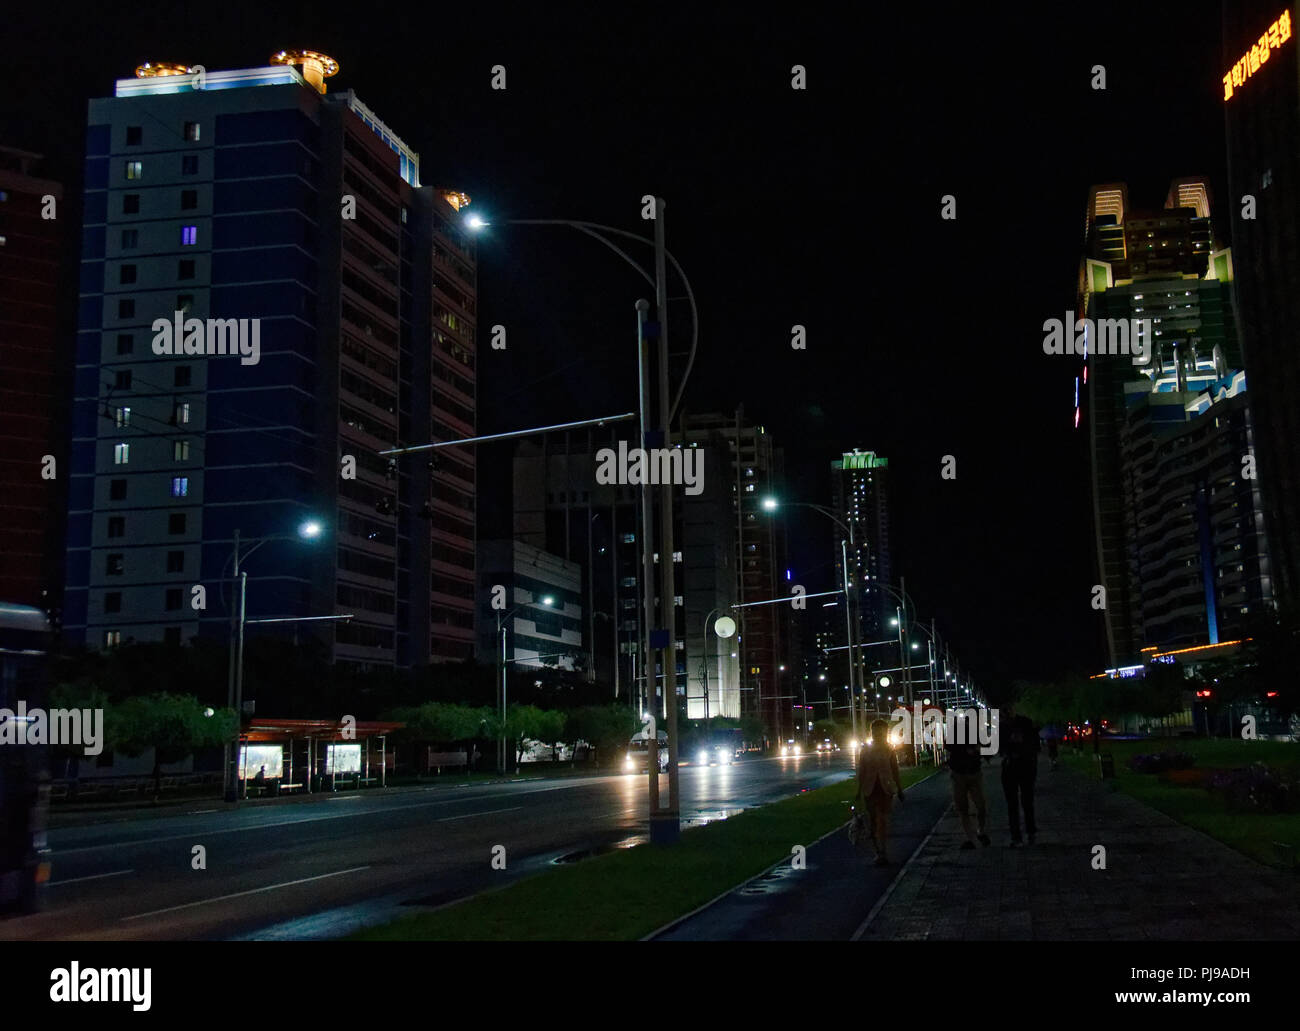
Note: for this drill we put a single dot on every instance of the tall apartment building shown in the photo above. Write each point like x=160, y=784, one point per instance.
x=250, y=205
x=1261, y=102
x=542, y=613
x=559, y=507
x=756, y=470
x=860, y=495
x=1174, y=511
x=32, y=367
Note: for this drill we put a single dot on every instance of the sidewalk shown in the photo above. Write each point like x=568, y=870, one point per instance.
x=1163, y=880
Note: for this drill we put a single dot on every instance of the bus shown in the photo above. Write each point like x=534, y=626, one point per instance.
x=24, y=769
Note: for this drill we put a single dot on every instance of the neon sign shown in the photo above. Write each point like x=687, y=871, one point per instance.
x=1277, y=34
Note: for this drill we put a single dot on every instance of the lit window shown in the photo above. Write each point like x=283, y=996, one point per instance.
x=121, y=454
x=180, y=486
x=112, y=638
x=181, y=450
x=123, y=416
x=192, y=131
x=189, y=236
x=182, y=413
x=134, y=169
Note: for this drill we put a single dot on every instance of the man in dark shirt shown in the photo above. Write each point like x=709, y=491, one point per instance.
x=1018, y=747
x=967, y=783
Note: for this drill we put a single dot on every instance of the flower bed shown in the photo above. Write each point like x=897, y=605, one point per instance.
x=1257, y=788
x=1159, y=762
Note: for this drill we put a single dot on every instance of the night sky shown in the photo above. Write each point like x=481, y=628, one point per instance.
x=818, y=207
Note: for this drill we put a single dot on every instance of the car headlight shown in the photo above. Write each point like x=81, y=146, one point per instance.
x=796, y=749
x=784, y=751
x=702, y=758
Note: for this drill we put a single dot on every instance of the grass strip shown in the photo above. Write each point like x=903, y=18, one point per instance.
x=1252, y=834
x=624, y=895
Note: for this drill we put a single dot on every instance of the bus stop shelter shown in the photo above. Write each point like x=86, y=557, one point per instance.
x=315, y=755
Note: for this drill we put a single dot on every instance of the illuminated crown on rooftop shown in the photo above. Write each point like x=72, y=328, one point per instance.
x=149, y=70
x=316, y=67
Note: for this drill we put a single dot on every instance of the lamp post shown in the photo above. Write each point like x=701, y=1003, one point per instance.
x=309, y=530
x=502, y=617
x=771, y=505
x=663, y=826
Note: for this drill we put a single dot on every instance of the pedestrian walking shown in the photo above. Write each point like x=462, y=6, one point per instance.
x=1018, y=747
x=966, y=769
x=878, y=781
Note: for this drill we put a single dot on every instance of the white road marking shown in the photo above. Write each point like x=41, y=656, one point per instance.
x=91, y=877
x=282, y=823
x=240, y=894
x=485, y=812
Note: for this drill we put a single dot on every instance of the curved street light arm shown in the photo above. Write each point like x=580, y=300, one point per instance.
x=587, y=228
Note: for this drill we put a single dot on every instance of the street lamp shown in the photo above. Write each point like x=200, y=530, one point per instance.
x=308, y=530
x=502, y=617
x=663, y=826
x=771, y=505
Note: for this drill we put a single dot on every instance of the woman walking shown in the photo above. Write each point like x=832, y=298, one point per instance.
x=878, y=782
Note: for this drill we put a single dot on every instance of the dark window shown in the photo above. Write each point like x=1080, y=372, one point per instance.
x=181, y=376
x=189, y=199
x=130, y=239
x=125, y=343
x=185, y=269
x=122, y=379
x=130, y=204
x=113, y=601
x=190, y=164
x=114, y=565
x=192, y=131
x=117, y=526
x=117, y=490
x=173, y=599
x=175, y=561
x=126, y=308
x=126, y=274
x=172, y=635
x=176, y=522
x=134, y=135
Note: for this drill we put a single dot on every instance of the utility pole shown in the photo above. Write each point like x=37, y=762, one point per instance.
x=667, y=600
x=647, y=562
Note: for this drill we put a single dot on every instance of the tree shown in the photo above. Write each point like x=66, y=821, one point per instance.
x=551, y=730
x=174, y=726
x=607, y=727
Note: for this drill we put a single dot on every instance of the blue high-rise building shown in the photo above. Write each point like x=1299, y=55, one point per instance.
x=268, y=299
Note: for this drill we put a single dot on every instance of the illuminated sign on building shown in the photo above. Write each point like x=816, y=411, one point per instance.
x=1278, y=33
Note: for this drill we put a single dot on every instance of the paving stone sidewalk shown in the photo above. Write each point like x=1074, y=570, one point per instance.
x=1163, y=880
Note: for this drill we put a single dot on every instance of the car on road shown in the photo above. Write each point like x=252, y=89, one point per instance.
x=827, y=747
x=790, y=748
x=638, y=753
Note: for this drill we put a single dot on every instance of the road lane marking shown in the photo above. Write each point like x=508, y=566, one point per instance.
x=240, y=894
x=91, y=877
x=486, y=812
x=277, y=823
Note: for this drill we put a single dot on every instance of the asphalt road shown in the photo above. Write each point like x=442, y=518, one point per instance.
x=324, y=866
